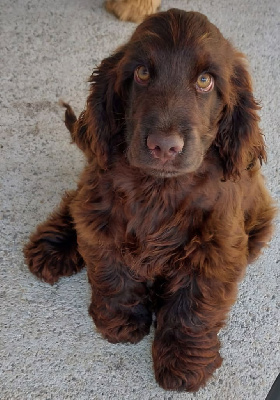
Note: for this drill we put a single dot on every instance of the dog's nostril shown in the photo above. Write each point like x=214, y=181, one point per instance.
x=176, y=149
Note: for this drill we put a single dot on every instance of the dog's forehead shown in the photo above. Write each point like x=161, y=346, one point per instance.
x=177, y=35
x=176, y=28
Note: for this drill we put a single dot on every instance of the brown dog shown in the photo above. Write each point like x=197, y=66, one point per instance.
x=172, y=205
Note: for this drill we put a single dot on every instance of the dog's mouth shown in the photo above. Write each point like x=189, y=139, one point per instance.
x=168, y=170
x=163, y=172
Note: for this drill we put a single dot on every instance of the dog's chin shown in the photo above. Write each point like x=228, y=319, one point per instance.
x=164, y=171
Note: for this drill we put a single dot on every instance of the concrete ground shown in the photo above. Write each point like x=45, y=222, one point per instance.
x=48, y=344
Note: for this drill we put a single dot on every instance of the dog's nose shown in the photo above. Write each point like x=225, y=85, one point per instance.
x=165, y=147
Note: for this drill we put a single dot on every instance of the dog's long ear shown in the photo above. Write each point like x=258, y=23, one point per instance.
x=103, y=117
x=239, y=139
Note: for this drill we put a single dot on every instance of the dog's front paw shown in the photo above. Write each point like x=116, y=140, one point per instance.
x=178, y=367
x=49, y=258
x=129, y=325
x=170, y=378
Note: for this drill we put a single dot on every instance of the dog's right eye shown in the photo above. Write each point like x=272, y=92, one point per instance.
x=141, y=75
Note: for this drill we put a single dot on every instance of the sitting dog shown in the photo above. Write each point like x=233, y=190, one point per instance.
x=171, y=206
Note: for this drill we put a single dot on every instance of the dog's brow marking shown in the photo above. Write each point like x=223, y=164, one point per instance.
x=204, y=36
x=150, y=33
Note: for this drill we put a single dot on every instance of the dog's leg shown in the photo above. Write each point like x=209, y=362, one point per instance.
x=120, y=304
x=52, y=249
x=193, y=302
x=186, y=345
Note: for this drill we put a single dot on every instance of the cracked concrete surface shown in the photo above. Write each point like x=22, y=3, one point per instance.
x=48, y=344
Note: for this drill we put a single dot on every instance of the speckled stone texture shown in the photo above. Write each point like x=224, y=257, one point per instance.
x=49, y=348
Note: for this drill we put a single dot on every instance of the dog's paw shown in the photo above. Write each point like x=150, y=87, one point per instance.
x=49, y=260
x=123, y=326
x=180, y=367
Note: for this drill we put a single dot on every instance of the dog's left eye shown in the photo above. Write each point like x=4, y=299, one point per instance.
x=142, y=75
x=204, y=83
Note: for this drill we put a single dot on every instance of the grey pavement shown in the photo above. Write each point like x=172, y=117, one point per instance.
x=49, y=348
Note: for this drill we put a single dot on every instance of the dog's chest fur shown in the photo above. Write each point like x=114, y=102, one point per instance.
x=148, y=220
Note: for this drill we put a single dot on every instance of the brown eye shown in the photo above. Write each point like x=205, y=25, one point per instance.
x=141, y=75
x=205, y=83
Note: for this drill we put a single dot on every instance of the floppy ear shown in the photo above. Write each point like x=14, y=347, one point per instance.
x=101, y=122
x=239, y=139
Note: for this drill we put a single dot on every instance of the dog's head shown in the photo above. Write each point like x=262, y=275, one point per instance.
x=175, y=90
